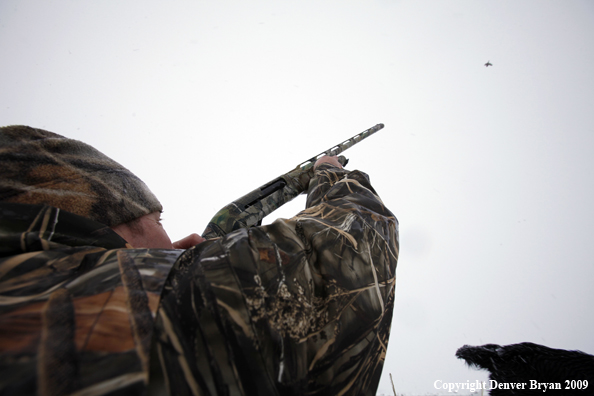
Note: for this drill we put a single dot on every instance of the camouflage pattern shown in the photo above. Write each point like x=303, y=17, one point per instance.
x=298, y=307
x=250, y=209
x=76, y=307
x=44, y=168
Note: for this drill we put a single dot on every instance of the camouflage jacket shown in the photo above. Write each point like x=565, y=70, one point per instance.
x=301, y=306
x=76, y=306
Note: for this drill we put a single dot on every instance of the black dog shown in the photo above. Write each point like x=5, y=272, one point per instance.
x=539, y=368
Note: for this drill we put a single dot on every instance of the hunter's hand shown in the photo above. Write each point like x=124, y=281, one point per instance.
x=188, y=242
x=329, y=160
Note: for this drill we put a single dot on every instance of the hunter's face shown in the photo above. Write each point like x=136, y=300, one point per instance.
x=146, y=232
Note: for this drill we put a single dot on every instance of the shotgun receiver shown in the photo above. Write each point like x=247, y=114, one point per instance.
x=250, y=209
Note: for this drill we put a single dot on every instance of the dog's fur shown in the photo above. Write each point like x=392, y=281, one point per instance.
x=520, y=363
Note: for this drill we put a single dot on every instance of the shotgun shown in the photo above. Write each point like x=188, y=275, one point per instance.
x=250, y=209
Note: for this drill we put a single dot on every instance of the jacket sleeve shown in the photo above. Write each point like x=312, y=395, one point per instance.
x=300, y=306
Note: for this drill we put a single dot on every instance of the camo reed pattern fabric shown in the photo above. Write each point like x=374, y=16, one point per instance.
x=299, y=307
x=76, y=310
x=41, y=167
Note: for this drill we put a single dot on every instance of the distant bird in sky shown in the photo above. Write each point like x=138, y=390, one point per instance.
x=488, y=64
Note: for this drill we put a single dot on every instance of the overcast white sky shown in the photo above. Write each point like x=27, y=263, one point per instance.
x=489, y=170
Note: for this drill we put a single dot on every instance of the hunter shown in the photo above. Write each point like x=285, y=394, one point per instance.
x=96, y=300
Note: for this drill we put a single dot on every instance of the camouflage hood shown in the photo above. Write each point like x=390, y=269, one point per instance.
x=41, y=167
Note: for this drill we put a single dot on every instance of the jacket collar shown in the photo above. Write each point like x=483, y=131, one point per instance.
x=28, y=228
